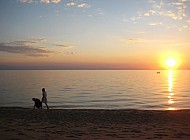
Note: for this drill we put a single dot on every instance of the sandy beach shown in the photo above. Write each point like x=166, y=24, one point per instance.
x=74, y=124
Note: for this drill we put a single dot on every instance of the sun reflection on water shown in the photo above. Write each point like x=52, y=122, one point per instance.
x=170, y=90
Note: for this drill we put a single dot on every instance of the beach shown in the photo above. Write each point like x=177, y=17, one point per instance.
x=74, y=124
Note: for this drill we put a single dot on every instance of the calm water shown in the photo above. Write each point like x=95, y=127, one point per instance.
x=97, y=89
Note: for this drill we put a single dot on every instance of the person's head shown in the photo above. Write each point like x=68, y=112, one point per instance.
x=34, y=99
x=43, y=89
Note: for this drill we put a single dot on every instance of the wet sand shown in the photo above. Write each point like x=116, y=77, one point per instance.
x=74, y=124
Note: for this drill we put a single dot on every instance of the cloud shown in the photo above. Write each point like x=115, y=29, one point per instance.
x=45, y=1
x=37, y=47
x=25, y=1
x=83, y=5
x=26, y=47
x=63, y=46
x=176, y=10
x=77, y=5
x=70, y=53
x=28, y=42
x=71, y=4
x=64, y=49
x=152, y=1
x=132, y=40
x=56, y=1
x=147, y=14
x=99, y=11
x=134, y=19
x=176, y=4
x=155, y=23
x=40, y=1
x=135, y=40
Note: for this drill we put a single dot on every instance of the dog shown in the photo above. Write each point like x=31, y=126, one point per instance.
x=37, y=103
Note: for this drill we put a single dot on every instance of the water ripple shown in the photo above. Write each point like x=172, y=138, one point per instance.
x=98, y=89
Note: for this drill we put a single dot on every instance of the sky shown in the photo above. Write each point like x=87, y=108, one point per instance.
x=94, y=34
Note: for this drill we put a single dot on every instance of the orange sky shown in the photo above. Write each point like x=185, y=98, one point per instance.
x=89, y=34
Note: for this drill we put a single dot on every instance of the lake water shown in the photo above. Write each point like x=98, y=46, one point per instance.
x=97, y=89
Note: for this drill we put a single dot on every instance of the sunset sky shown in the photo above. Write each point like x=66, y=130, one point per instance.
x=94, y=34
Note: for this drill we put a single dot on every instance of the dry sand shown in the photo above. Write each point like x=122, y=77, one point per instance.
x=74, y=124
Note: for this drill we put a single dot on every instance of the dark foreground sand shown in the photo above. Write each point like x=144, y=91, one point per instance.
x=19, y=123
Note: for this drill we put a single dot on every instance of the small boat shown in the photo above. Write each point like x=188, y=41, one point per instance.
x=158, y=72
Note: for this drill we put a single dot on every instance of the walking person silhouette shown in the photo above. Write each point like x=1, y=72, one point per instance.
x=44, y=97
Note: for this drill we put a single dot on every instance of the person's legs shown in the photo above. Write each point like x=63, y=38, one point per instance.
x=47, y=106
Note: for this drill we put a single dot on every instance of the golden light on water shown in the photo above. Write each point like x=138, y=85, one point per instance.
x=171, y=108
x=170, y=90
x=170, y=81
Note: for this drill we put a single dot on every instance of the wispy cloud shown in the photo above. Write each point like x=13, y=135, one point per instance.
x=63, y=46
x=45, y=1
x=55, y=1
x=132, y=40
x=65, y=49
x=175, y=10
x=25, y=1
x=155, y=23
x=147, y=14
x=83, y=5
x=70, y=53
x=71, y=4
x=135, y=40
x=25, y=47
x=99, y=11
x=152, y=1
x=40, y=1
x=77, y=4
x=37, y=47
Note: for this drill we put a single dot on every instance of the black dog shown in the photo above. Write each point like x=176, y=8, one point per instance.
x=37, y=103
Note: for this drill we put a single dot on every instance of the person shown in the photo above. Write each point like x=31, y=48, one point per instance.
x=37, y=103
x=44, y=97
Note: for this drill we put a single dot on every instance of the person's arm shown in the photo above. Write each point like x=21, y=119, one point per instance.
x=34, y=106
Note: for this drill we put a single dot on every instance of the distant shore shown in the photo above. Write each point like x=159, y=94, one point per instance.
x=74, y=124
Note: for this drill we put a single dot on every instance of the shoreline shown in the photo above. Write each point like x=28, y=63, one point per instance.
x=27, y=123
x=70, y=108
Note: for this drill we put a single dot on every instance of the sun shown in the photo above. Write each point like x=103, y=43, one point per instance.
x=171, y=62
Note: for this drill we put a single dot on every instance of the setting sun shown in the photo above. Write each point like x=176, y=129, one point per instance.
x=171, y=62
